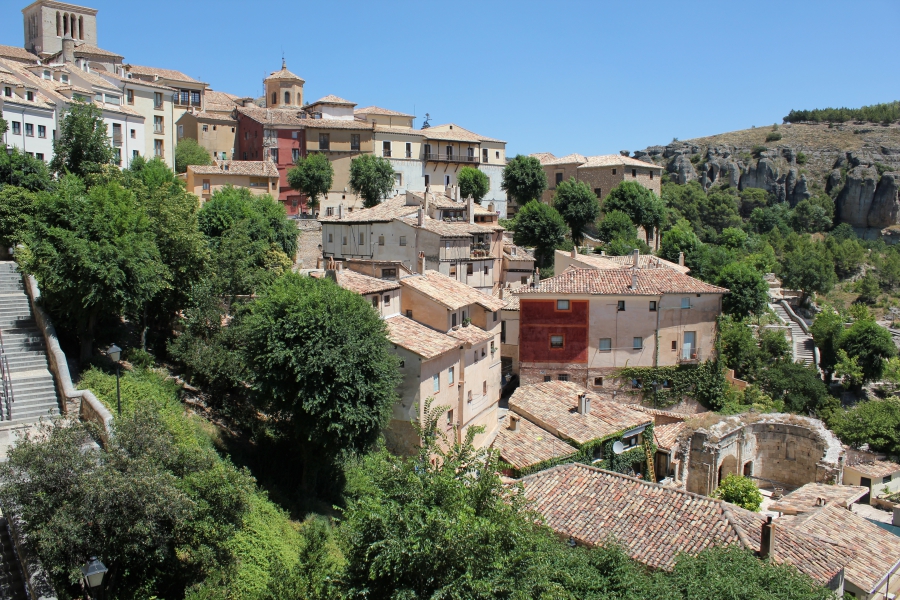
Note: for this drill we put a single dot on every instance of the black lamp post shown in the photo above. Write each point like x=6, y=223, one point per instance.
x=115, y=353
x=94, y=576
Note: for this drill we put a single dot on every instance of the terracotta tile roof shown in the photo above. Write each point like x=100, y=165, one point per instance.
x=654, y=524
x=363, y=284
x=470, y=334
x=220, y=101
x=203, y=115
x=568, y=159
x=553, y=405
x=253, y=168
x=18, y=55
x=385, y=212
x=876, y=468
x=804, y=499
x=336, y=124
x=543, y=157
x=449, y=292
x=612, y=160
x=667, y=435
x=379, y=128
x=877, y=550
x=274, y=116
x=617, y=282
x=529, y=445
x=136, y=81
x=664, y=413
x=160, y=73
x=367, y=264
x=419, y=339
x=645, y=261
x=459, y=229
x=284, y=74
x=512, y=301
x=83, y=49
x=455, y=133
x=91, y=78
x=332, y=99
x=375, y=110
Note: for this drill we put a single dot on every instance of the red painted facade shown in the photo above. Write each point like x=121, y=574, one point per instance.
x=250, y=147
x=540, y=319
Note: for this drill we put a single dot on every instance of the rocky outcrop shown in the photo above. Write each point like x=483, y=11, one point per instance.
x=681, y=168
x=867, y=201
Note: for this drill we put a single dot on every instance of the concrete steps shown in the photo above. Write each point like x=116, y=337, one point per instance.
x=804, y=346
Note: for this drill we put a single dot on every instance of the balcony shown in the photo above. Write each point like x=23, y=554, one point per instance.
x=117, y=140
x=480, y=250
x=454, y=158
x=689, y=355
x=386, y=153
x=159, y=130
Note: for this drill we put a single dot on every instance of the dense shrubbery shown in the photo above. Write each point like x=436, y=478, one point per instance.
x=876, y=113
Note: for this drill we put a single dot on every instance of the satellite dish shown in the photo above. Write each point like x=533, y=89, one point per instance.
x=618, y=447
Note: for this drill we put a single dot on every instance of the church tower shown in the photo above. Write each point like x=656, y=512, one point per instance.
x=283, y=89
x=48, y=22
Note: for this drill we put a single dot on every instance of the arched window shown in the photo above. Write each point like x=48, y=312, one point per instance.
x=287, y=97
x=58, y=24
x=274, y=98
x=74, y=27
x=65, y=24
x=81, y=28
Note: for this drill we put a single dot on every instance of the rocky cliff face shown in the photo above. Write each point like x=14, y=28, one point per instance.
x=859, y=167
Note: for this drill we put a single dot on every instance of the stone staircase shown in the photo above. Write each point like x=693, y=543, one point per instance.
x=33, y=388
x=804, y=348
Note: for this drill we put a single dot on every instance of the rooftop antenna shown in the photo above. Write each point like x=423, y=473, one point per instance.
x=283, y=63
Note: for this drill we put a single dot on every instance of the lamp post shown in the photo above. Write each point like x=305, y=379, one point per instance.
x=94, y=575
x=114, y=352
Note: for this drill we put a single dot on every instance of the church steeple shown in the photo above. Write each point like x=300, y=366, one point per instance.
x=283, y=88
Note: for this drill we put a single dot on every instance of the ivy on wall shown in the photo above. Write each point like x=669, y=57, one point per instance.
x=666, y=386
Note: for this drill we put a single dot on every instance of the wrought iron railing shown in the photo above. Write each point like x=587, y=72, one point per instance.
x=7, y=397
x=452, y=158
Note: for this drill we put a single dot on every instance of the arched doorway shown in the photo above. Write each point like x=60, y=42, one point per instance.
x=728, y=466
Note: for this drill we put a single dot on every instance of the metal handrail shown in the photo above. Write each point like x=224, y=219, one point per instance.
x=7, y=396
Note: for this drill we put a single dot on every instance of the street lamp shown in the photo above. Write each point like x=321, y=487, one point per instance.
x=114, y=353
x=94, y=573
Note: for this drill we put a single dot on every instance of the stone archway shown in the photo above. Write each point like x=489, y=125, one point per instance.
x=729, y=465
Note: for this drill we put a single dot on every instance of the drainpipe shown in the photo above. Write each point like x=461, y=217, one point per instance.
x=22, y=131
x=462, y=392
x=656, y=354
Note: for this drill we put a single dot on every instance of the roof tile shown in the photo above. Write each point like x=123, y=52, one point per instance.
x=618, y=282
x=449, y=292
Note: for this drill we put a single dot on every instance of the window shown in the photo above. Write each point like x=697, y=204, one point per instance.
x=7, y=91
x=46, y=74
x=354, y=141
x=273, y=152
x=206, y=185
x=650, y=235
x=381, y=240
x=328, y=212
x=386, y=299
x=117, y=154
x=453, y=271
x=450, y=414
x=386, y=148
x=450, y=375
x=638, y=343
x=64, y=78
x=562, y=305
x=557, y=341
x=402, y=363
x=685, y=303
x=653, y=306
x=559, y=178
x=158, y=148
x=157, y=99
x=375, y=302
x=29, y=129
x=634, y=173
x=485, y=270
x=287, y=97
x=598, y=192
x=651, y=175
x=598, y=381
x=449, y=152
x=447, y=180
x=388, y=273
x=614, y=171
x=562, y=377
x=547, y=378
x=274, y=98
x=16, y=128
x=344, y=241
x=324, y=141
x=29, y=96
x=129, y=95
x=674, y=344
x=362, y=238
x=436, y=383
x=427, y=180
x=133, y=133
x=402, y=240
x=484, y=155
x=158, y=126
x=469, y=269
x=496, y=315
x=295, y=154
x=453, y=320
x=605, y=345
x=408, y=150
x=398, y=179
x=205, y=128
x=40, y=155
x=523, y=280
x=408, y=313
x=620, y=305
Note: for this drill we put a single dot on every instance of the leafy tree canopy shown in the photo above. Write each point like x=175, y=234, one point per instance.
x=578, y=206
x=872, y=346
x=678, y=239
x=189, y=152
x=739, y=490
x=749, y=291
x=16, y=209
x=616, y=225
x=810, y=270
x=523, y=179
x=313, y=176
x=82, y=146
x=541, y=227
x=873, y=422
x=372, y=178
x=473, y=183
x=643, y=206
x=21, y=170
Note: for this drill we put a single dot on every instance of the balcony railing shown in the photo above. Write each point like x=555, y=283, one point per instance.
x=452, y=158
x=159, y=130
x=117, y=140
x=689, y=355
x=480, y=250
x=387, y=153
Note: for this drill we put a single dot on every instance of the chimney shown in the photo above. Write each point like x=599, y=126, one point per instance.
x=471, y=208
x=537, y=275
x=574, y=252
x=422, y=263
x=425, y=203
x=339, y=266
x=633, y=279
x=514, y=422
x=637, y=259
x=767, y=540
x=681, y=259
x=420, y=214
x=340, y=211
x=502, y=292
x=584, y=404
x=68, y=50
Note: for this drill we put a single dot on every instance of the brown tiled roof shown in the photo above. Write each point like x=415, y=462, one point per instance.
x=455, y=133
x=82, y=49
x=161, y=73
x=529, y=445
x=553, y=405
x=512, y=301
x=654, y=524
x=337, y=124
x=470, y=334
x=136, y=81
x=806, y=498
x=876, y=468
x=375, y=110
x=449, y=292
x=877, y=551
x=332, y=99
x=385, y=212
x=667, y=435
x=612, y=160
x=645, y=261
x=363, y=284
x=18, y=54
x=657, y=412
x=91, y=78
x=203, y=115
x=379, y=128
x=284, y=74
x=568, y=159
x=253, y=168
x=418, y=338
x=617, y=282
x=275, y=116
x=543, y=157
x=220, y=101
x=453, y=229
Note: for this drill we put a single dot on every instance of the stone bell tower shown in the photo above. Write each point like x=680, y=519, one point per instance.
x=47, y=23
x=283, y=89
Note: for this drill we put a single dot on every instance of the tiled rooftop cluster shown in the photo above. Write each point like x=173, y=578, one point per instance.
x=622, y=282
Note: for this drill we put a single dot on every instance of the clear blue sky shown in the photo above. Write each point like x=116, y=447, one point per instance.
x=563, y=76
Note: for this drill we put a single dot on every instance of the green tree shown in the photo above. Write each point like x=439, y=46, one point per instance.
x=16, y=210
x=777, y=217
x=372, y=178
x=733, y=238
x=313, y=176
x=95, y=256
x=751, y=199
x=827, y=331
x=578, y=206
x=846, y=254
x=796, y=384
x=683, y=201
x=749, y=291
x=323, y=367
x=868, y=289
x=809, y=270
x=678, y=239
x=83, y=145
x=614, y=226
x=739, y=490
x=871, y=345
x=189, y=152
x=21, y=170
x=719, y=210
x=873, y=422
x=541, y=227
x=641, y=204
x=773, y=345
x=523, y=179
x=473, y=183
x=739, y=347
x=814, y=214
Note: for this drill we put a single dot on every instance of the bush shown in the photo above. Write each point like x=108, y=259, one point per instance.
x=756, y=151
x=739, y=490
x=801, y=158
x=773, y=136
